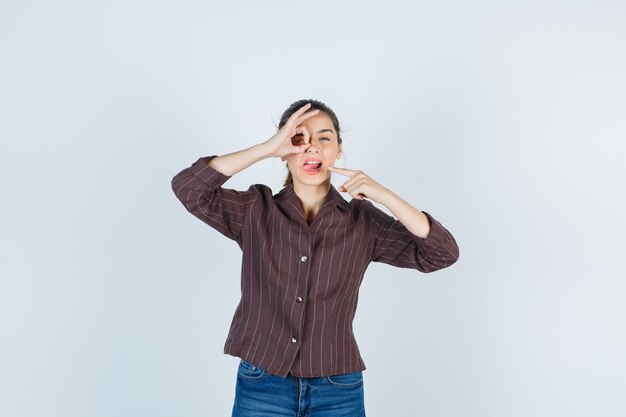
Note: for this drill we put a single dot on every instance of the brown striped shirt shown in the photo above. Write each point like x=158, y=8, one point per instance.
x=300, y=282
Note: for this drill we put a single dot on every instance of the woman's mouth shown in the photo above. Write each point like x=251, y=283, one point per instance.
x=312, y=168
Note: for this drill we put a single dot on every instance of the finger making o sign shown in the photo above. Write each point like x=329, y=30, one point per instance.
x=283, y=143
x=360, y=185
x=302, y=134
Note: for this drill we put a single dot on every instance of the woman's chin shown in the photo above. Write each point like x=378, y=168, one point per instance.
x=313, y=179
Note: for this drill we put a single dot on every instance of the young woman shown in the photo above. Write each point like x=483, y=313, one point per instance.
x=305, y=250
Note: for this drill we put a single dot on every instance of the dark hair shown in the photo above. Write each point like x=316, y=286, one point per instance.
x=315, y=104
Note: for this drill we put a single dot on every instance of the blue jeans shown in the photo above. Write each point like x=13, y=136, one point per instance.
x=261, y=394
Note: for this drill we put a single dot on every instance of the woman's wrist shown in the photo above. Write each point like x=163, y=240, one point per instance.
x=234, y=162
x=264, y=151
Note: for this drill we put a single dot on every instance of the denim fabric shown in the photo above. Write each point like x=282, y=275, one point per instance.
x=259, y=393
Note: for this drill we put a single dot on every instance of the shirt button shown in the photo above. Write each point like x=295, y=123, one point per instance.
x=293, y=339
x=303, y=258
x=299, y=299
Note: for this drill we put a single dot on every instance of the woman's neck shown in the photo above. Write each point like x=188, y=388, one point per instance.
x=311, y=197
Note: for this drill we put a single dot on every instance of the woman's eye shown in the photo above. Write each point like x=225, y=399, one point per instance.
x=325, y=138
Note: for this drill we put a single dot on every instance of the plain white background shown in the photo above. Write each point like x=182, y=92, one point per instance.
x=504, y=120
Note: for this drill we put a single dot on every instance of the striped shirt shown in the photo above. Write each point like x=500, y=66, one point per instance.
x=300, y=282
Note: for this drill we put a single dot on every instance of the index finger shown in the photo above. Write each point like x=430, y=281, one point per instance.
x=344, y=171
x=307, y=115
x=298, y=113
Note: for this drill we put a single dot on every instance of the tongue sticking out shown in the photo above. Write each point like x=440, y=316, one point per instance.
x=312, y=167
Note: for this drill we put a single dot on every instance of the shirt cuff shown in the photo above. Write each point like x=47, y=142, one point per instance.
x=437, y=236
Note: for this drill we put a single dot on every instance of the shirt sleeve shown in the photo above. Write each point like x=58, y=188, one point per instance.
x=199, y=189
x=395, y=245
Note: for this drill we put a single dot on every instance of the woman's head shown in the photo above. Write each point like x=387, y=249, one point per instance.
x=325, y=142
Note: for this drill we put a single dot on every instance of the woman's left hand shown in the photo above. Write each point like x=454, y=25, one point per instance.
x=360, y=185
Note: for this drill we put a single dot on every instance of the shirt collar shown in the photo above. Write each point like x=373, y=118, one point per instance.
x=333, y=197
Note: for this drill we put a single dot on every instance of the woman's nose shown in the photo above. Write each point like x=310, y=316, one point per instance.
x=312, y=147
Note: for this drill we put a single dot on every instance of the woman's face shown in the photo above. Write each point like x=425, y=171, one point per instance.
x=323, y=147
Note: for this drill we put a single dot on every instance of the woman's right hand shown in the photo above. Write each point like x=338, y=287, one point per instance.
x=280, y=144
